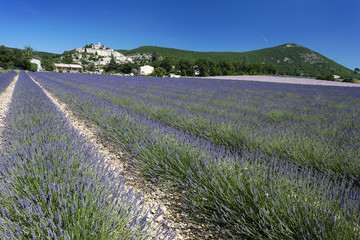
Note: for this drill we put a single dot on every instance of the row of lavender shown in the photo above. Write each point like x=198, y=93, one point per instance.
x=249, y=193
x=308, y=125
x=54, y=185
x=6, y=79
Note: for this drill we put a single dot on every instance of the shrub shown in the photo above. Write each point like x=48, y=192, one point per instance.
x=33, y=67
x=349, y=80
x=326, y=77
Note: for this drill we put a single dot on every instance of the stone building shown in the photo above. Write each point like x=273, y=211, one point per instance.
x=67, y=67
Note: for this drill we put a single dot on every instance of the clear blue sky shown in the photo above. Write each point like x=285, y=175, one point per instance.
x=330, y=27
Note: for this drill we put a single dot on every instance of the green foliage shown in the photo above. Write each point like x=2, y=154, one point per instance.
x=112, y=66
x=68, y=60
x=92, y=67
x=134, y=71
x=6, y=57
x=302, y=61
x=28, y=52
x=125, y=68
x=84, y=62
x=185, y=67
x=40, y=55
x=167, y=64
x=67, y=57
x=154, y=56
x=202, y=67
x=349, y=80
x=13, y=57
x=158, y=72
x=227, y=68
x=88, y=45
x=209, y=67
x=33, y=67
x=328, y=77
x=47, y=63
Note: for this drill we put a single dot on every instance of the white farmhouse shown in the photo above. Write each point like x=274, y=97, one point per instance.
x=173, y=75
x=37, y=62
x=337, y=77
x=145, y=70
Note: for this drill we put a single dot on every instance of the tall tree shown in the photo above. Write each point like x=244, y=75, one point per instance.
x=227, y=68
x=167, y=63
x=92, y=67
x=26, y=57
x=155, y=56
x=125, y=68
x=185, y=67
x=47, y=63
x=6, y=57
x=158, y=72
x=201, y=65
x=28, y=52
x=112, y=66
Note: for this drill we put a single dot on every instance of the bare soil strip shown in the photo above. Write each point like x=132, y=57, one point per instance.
x=286, y=79
x=5, y=99
x=168, y=200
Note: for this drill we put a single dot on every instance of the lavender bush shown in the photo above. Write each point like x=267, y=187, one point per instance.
x=308, y=125
x=54, y=185
x=6, y=79
x=248, y=192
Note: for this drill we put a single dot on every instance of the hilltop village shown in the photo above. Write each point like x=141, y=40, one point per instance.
x=99, y=55
x=93, y=57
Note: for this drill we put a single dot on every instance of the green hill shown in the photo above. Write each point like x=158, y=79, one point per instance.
x=39, y=54
x=288, y=57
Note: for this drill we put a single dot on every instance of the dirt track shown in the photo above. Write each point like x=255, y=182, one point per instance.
x=5, y=99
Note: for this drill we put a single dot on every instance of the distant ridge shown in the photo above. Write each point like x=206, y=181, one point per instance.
x=289, y=57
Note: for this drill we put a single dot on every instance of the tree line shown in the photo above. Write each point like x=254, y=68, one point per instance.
x=16, y=58
x=208, y=67
x=11, y=58
x=199, y=67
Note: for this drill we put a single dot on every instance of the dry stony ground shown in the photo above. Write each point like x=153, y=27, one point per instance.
x=5, y=99
x=291, y=80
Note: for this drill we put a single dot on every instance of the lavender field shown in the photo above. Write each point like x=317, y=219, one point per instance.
x=54, y=185
x=259, y=160
x=5, y=80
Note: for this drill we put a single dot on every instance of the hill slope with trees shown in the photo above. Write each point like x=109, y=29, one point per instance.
x=290, y=58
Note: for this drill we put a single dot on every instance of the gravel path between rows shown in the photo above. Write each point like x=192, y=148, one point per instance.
x=5, y=99
x=169, y=200
x=290, y=80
